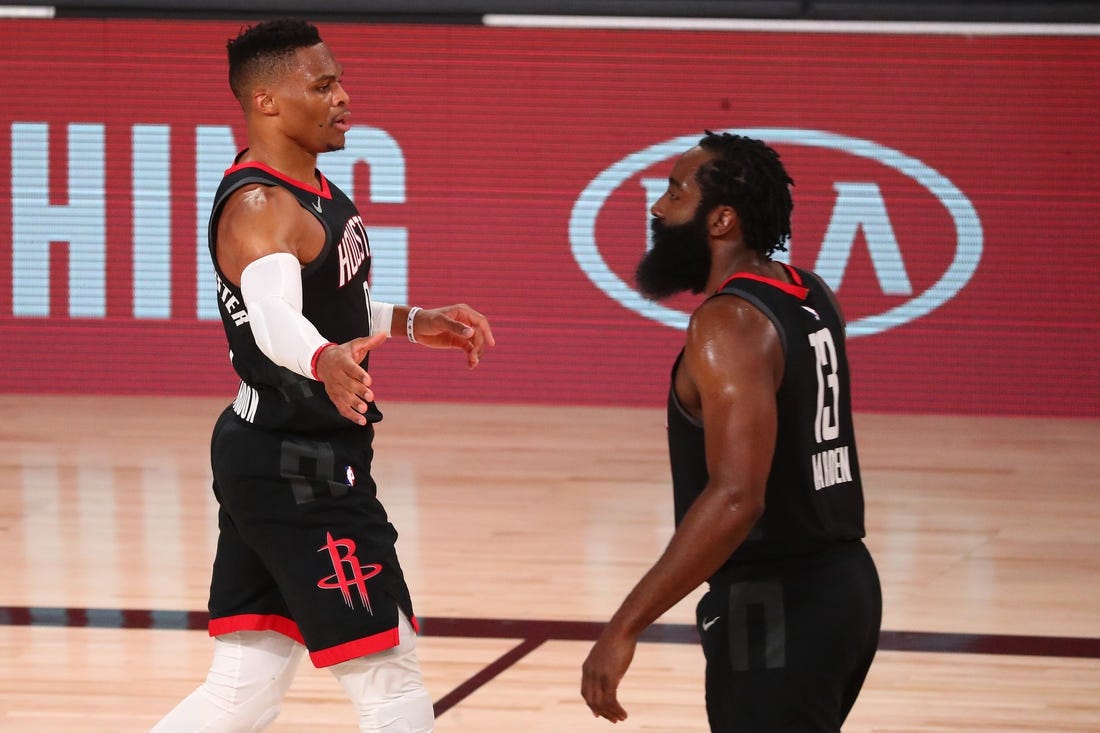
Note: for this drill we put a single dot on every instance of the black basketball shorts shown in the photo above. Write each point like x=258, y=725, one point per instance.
x=789, y=650
x=305, y=548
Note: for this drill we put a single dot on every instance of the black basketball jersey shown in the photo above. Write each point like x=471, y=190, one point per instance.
x=335, y=299
x=814, y=495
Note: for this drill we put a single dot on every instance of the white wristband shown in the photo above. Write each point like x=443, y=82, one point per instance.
x=381, y=317
x=409, y=324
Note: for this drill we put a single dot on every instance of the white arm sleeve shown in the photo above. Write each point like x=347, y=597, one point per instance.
x=272, y=290
x=381, y=317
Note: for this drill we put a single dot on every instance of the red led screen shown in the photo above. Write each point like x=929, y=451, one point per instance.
x=946, y=186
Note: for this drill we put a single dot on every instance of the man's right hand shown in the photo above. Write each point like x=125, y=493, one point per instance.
x=348, y=385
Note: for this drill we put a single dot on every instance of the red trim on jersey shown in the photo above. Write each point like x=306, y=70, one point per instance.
x=324, y=191
x=255, y=622
x=792, y=272
x=359, y=648
x=796, y=289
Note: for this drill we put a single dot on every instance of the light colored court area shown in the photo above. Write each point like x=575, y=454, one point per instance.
x=985, y=528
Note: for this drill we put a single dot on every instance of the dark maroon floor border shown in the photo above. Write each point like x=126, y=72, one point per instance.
x=532, y=633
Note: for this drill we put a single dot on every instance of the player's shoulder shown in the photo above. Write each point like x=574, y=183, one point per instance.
x=727, y=314
x=260, y=201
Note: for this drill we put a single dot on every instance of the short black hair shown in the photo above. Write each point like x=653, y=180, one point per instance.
x=748, y=176
x=259, y=48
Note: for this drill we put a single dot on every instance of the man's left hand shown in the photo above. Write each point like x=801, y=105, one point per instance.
x=603, y=670
x=454, y=327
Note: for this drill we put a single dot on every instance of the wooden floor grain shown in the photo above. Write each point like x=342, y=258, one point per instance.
x=979, y=526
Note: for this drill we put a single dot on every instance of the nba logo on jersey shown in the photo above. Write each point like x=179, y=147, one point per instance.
x=351, y=476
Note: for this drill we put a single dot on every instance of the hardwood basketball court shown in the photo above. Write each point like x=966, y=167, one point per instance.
x=522, y=528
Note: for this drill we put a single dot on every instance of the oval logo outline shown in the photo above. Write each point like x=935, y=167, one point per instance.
x=968, y=228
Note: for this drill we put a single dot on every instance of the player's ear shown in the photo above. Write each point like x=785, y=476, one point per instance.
x=722, y=220
x=264, y=102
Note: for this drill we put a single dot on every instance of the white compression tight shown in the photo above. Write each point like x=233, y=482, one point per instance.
x=387, y=688
x=252, y=670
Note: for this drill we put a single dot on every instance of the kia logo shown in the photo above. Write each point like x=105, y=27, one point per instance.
x=968, y=228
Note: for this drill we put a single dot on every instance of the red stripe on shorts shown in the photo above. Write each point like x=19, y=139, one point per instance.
x=359, y=648
x=255, y=622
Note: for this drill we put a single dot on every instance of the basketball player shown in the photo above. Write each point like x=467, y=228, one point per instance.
x=305, y=557
x=767, y=492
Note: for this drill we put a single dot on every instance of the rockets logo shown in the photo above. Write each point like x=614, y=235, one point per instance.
x=348, y=572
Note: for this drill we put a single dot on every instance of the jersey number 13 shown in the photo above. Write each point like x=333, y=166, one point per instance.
x=827, y=422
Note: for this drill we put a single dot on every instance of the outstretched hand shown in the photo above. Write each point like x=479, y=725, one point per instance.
x=454, y=327
x=348, y=385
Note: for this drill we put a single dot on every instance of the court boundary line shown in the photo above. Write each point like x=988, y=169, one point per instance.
x=533, y=633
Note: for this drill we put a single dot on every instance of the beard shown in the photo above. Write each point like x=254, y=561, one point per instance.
x=679, y=260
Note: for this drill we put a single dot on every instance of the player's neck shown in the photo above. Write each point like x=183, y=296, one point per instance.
x=292, y=161
x=741, y=259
